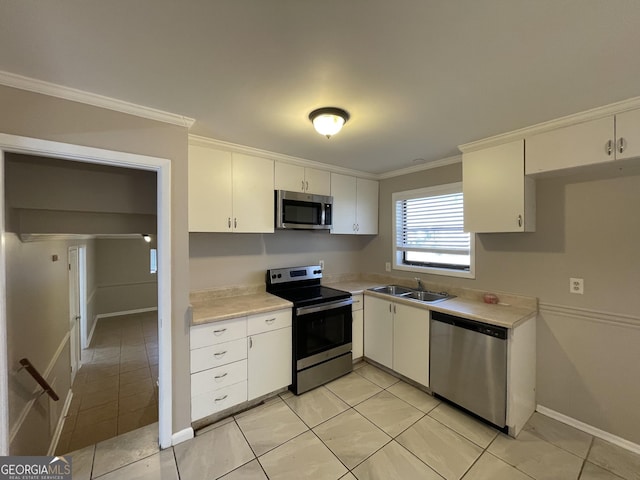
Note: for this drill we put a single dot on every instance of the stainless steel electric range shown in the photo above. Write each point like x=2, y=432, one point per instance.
x=321, y=325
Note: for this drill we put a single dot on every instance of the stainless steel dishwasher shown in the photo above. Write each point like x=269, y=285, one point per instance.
x=468, y=365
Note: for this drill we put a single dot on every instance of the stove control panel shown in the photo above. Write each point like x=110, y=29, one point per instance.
x=293, y=274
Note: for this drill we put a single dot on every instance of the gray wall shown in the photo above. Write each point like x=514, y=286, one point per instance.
x=123, y=279
x=49, y=118
x=224, y=259
x=588, y=227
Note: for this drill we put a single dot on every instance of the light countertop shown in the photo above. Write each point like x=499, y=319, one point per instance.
x=501, y=315
x=223, y=308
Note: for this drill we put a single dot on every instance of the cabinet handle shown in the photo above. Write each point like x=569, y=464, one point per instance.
x=519, y=220
x=221, y=399
x=357, y=227
x=609, y=147
x=302, y=185
x=389, y=308
x=356, y=301
x=220, y=354
x=250, y=342
x=235, y=223
x=306, y=186
x=270, y=320
x=622, y=144
x=220, y=376
x=220, y=331
x=229, y=222
x=394, y=309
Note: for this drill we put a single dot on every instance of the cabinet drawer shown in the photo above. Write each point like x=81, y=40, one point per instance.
x=212, y=402
x=218, y=332
x=220, y=377
x=358, y=302
x=217, y=355
x=265, y=322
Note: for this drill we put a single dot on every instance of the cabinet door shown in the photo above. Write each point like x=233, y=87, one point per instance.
x=357, y=334
x=269, y=362
x=411, y=343
x=317, y=182
x=343, y=190
x=628, y=129
x=209, y=190
x=289, y=177
x=573, y=146
x=367, y=207
x=495, y=188
x=378, y=330
x=253, y=200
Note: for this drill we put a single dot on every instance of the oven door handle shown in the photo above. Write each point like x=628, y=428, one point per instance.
x=322, y=307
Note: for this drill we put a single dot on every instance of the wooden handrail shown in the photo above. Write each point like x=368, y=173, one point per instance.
x=39, y=378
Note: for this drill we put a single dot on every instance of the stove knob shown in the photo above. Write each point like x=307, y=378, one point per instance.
x=279, y=275
x=273, y=276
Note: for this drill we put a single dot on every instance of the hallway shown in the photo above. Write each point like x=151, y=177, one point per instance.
x=115, y=390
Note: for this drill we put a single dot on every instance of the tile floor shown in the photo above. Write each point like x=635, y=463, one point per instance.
x=366, y=425
x=115, y=390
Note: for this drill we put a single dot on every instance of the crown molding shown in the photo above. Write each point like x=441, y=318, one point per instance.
x=279, y=157
x=587, y=115
x=421, y=167
x=67, y=93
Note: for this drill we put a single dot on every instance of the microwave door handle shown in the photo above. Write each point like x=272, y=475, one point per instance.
x=323, y=214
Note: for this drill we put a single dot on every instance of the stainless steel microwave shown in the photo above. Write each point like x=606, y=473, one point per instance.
x=295, y=210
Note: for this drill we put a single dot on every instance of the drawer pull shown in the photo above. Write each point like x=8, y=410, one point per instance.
x=220, y=376
x=219, y=331
x=221, y=399
x=270, y=320
x=220, y=354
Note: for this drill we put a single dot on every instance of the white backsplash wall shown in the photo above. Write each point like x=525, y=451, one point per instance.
x=225, y=259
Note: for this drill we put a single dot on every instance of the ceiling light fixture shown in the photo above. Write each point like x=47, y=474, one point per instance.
x=146, y=237
x=328, y=120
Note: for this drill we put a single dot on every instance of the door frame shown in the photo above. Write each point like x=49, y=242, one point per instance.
x=162, y=167
x=75, y=296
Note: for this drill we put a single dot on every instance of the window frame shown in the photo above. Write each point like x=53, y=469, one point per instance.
x=398, y=255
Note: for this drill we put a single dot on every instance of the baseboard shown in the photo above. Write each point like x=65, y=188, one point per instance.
x=126, y=312
x=63, y=415
x=585, y=427
x=182, y=436
x=93, y=329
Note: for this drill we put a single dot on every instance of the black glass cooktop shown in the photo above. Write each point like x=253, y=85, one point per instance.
x=313, y=294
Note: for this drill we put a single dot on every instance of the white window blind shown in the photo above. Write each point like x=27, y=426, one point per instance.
x=429, y=228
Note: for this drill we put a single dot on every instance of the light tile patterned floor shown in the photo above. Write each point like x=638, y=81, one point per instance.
x=115, y=390
x=366, y=425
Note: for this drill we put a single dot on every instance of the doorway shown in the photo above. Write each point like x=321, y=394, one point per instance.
x=162, y=167
x=75, y=313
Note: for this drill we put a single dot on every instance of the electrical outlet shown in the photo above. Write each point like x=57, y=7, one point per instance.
x=576, y=285
x=387, y=266
x=321, y=263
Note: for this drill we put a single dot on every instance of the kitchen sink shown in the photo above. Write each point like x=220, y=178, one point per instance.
x=425, y=296
x=406, y=292
x=395, y=290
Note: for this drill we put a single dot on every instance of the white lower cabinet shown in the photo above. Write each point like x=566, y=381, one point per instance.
x=357, y=331
x=236, y=360
x=411, y=343
x=269, y=362
x=378, y=330
x=397, y=336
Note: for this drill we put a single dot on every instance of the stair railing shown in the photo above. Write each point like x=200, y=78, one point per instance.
x=46, y=388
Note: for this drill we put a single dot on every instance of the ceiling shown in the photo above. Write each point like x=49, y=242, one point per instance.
x=418, y=77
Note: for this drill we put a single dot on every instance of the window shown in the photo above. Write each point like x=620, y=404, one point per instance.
x=153, y=260
x=428, y=231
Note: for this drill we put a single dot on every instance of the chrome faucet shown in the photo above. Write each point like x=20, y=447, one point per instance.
x=420, y=284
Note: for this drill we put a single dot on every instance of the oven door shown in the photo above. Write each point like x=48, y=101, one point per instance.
x=322, y=332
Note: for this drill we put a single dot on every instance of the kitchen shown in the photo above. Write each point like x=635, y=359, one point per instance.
x=567, y=243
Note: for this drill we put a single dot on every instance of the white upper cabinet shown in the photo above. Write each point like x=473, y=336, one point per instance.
x=355, y=205
x=628, y=134
x=497, y=195
x=229, y=192
x=209, y=185
x=301, y=179
x=573, y=146
x=614, y=137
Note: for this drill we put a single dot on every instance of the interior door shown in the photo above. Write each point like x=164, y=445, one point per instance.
x=74, y=310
